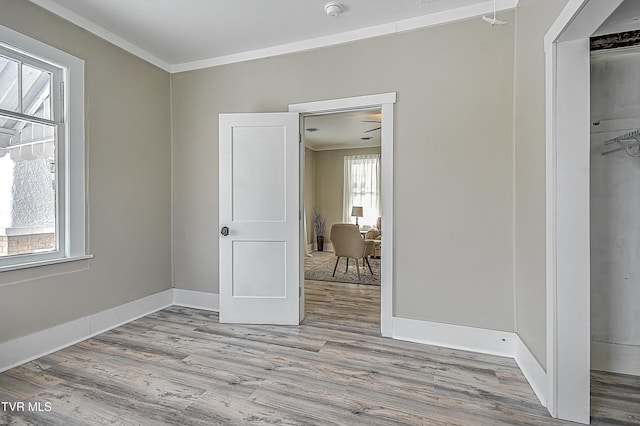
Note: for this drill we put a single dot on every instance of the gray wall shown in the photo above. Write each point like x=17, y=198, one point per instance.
x=128, y=140
x=453, y=159
x=453, y=168
x=534, y=19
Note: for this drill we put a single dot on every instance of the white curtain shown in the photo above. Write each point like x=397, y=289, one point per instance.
x=362, y=188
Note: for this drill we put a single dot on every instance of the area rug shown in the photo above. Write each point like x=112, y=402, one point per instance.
x=321, y=270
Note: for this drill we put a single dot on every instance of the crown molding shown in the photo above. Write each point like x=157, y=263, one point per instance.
x=101, y=32
x=411, y=24
x=406, y=25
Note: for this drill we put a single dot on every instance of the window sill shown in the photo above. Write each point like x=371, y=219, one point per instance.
x=44, y=263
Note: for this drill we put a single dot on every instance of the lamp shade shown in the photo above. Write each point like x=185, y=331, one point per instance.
x=356, y=211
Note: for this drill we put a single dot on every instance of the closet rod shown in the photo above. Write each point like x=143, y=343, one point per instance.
x=626, y=136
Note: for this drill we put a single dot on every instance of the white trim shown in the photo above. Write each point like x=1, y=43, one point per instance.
x=24, y=349
x=590, y=16
x=410, y=24
x=387, y=261
x=39, y=50
x=579, y=19
x=76, y=198
x=572, y=271
x=27, y=348
x=397, y=27
x=532, y=370
x=44, y=263
x=101, y=32
x=196, y=299
x=550, y=231
x=357, y=102
x=480, y=340
x=570, y=11
x=567, y=202
x=491, y=342
x=71, y=155
x=288, y=48
x=385, y=101
x=614, y=358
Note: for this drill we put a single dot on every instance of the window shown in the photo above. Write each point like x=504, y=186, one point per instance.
x=41, y=153
x=362, y=188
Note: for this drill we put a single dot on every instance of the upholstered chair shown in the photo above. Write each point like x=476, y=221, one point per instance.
x=375, y=234
x=347, y=242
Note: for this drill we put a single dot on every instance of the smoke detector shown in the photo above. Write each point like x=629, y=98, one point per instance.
x=333, y=9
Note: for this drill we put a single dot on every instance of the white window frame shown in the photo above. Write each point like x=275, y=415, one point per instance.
x=349, y=161
x=70, y=160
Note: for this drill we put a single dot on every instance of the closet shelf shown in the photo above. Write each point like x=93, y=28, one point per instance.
x=627, y=142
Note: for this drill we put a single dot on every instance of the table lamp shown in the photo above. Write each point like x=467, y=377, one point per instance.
x=357, y=212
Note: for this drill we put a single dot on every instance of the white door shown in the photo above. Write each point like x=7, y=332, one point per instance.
x=259, y=218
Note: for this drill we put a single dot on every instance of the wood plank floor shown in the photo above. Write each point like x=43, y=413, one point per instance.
x=179, y=366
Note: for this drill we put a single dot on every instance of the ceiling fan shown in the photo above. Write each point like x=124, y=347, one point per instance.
x=492, y=20
x=371, y=121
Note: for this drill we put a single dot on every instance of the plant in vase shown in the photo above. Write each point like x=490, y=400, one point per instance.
x=318, y=226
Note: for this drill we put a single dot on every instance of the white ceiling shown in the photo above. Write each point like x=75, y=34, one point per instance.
x=625, y=18
x=343, y=130
x=177, y=34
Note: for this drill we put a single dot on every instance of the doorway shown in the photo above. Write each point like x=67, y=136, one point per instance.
x=383, y=102
x=567, y=202
x=615, y=241
x=342, y=164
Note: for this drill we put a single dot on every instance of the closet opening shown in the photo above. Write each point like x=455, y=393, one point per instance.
x=614, y=226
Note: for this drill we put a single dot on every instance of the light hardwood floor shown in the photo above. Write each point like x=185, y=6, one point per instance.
x=179, y=366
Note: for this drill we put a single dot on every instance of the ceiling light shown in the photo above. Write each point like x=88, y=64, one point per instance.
x=333, y=9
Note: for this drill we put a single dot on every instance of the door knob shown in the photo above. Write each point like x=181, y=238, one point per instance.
x=224, y=231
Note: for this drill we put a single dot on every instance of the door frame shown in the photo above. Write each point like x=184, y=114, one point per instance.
x=567, y=75
x=384, y=101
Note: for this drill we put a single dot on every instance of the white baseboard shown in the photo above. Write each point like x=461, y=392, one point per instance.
x=473, y=339
x=533, y=372
x=196, y=299
x=27, y=348
x=492, y=342
x=614, y=358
